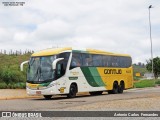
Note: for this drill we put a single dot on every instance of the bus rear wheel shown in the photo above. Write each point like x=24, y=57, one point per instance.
x=114, y=90
x=121, y=87
x=72, y=91
x=47, y=97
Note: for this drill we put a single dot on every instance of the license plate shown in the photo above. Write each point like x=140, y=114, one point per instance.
x=38, y=92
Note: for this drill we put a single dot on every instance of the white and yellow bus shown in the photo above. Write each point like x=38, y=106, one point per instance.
x=68, y=71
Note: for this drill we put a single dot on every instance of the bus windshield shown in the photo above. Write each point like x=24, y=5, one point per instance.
x=40, y=69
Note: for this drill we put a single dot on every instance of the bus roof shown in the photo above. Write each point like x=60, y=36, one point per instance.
x=51, y=51
x=54, y=51
x=94, y=51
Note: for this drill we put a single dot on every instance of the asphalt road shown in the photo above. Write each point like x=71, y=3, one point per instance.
x=133, y=99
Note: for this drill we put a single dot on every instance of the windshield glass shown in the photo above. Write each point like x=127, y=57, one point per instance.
x=40, y=69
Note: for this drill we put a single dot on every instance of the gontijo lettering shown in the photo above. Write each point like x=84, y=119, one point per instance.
x=112, y=71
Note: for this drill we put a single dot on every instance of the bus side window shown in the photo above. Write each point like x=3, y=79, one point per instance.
x=123, y=62
x=114, y=61
x=106, y=61
x=60, y=69
x=76, y=60
x=128, y=61
x=87, y=59
x=97, y=60
x=65, y=61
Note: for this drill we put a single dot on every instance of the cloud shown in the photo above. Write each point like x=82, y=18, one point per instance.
x=116, y=26
x=51, y=30
x=20, y=36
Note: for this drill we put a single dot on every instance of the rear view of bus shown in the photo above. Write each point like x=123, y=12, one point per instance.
x=67, y=71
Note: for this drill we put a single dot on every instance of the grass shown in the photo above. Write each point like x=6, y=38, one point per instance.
x=146, y=83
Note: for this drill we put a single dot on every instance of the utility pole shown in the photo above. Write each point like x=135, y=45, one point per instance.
x=151, y=38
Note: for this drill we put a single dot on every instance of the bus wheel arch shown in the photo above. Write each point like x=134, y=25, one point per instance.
x=73, y=89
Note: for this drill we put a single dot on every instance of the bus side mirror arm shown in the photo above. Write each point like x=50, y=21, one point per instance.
x=55, y=62
x=21, y=66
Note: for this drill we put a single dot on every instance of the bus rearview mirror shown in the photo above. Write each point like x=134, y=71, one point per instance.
x=55, y=62
x=21, y=66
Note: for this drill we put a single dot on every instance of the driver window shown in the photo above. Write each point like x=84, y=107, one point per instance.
x=76, y=60
x=60, y=69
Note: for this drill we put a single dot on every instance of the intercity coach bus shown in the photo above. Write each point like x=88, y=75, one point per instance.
x=68, y=71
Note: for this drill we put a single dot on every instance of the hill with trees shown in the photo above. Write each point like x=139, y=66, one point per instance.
x=10, y=74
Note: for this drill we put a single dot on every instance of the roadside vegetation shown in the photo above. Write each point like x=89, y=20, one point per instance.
x=139, y=81
x=10, y=75
x=156, y=66
x=146, y=83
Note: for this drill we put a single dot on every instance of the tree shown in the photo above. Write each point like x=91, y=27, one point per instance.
x=156, y=66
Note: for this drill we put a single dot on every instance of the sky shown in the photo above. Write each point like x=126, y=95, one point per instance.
x=120, y=26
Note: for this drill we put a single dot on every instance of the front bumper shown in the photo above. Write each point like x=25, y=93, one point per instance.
x=46, y=91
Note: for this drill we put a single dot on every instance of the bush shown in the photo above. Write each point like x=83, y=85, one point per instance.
x=157, y=82
x=9, y=75
x=12, y=85
x=3, y=85
x=20, y=85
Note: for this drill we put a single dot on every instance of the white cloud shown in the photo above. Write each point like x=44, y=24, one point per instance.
x=112, y=25
x=20, y=36
x=53, y=29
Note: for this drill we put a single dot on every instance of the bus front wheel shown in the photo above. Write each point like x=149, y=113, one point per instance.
x=72, y=91
x=47, y=97
x=96, y=93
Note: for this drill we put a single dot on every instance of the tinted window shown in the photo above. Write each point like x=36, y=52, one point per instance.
x=87, y=60
x=128, y=61
x=63, y=63
x=97, y=60
x=76, y=60
x=116, y=61
x=106, y=61
x=123, y=62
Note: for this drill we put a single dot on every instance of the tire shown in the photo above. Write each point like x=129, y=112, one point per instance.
x=96, y=93
x=47, y=97
x=110, y=92
x=72, y=91
x=114, y=90
x=121, y=88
